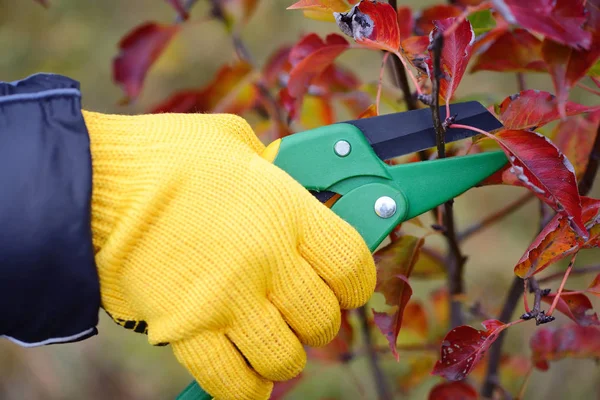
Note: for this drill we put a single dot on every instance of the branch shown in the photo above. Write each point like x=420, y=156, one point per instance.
x=578, y=271
x=585, y=185
x=498, y=215
x=456, y=260
x=510, y=303
x=383, y=390
x=539, y=315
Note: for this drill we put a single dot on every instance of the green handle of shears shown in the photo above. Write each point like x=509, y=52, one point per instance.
x=362, y=178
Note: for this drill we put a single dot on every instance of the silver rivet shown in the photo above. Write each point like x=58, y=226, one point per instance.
x=342, y=148
x=385, y=207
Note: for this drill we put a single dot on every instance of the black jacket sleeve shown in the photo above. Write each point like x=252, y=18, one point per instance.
x=49, y=288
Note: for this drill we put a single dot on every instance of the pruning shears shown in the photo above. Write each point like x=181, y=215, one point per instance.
x=343, y=165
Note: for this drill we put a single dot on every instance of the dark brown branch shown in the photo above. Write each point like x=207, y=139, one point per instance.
x=498, y=215
x=381, y=384
x=585, y=185
x=537, y=313
x=578, y=271
x=456, y=260
x=510, y=303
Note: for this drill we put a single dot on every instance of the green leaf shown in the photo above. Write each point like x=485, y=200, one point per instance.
x=595, y=70
x=482, y=21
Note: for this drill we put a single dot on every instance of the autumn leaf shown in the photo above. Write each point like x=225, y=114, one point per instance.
x=594, y=287
x=178, y=6
x=321, y=5
x=390, y=324
x=456, y=54
x=397, y=258
x=573, y=341
x=575, y=138
x=277, y=67
x=424, y=24
x=576, y=306
x=559, y=20
x=419, y=368
x=234, y=12
x=482, y=21
x=316, y=112
x=463, y=347
x=533, y=109
x=415, y=320
x=406, y=22
x=371, y=24
x=557, y=240
x=453, y=390
x=371, y=111
x=231, y=91
x=568, y=65
x=415, y=47
x=310, y=57
x=538, y=165
x=139, y=49
x=512, y=51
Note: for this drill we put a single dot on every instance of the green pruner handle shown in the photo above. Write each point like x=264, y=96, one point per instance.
x=193, y=391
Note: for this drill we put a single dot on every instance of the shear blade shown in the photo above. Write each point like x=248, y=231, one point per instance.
x=393, y=135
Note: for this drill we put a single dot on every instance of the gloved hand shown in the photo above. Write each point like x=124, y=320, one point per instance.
x=203, y=244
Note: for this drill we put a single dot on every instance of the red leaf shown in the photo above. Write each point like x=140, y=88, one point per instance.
x=575, y=306
x=178, y=6
x=575, y=138
x=310, y=57
x=456, y=54
x=278, y=66
x=425, y=21
x=573, y=341
x=512, y=51
x=594, y=287
x=406, y=22
x=372, y=24
x=390, y=325
x=539, y=166
x=281, y=389
x=464, y=347
x=567, y=65
x=415, y=47
x=557, y=241
x=453, y=391
x=289, y=103
x=228, y=92
x=534, y=108
x=139, y=49
x=559, y=20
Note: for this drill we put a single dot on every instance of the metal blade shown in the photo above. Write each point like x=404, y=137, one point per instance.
x=393, y=135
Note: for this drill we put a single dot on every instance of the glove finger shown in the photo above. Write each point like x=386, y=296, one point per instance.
x=220, y=369
x=306, y=303
x=267, y=342
x=339, y=255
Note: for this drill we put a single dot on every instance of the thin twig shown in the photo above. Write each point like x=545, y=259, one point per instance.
x=589, y=89
x=585, y=185
x=578, y=271
x=456, y=260
x=383, y=390
x=521, y=394
x=521, y=85
x=496, y=216
x=562, y=284
x=510, y=303
x=187, y=6
x=380, y=84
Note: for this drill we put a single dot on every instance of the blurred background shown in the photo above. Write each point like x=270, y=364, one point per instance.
x=79, y=38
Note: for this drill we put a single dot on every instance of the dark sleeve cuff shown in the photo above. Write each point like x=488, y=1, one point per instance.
x=49, y=287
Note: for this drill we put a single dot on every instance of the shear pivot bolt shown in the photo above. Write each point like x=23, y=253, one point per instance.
x=385, y=207
x=342, y=148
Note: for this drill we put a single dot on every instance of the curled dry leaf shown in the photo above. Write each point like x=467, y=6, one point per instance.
x=512, y=51
x=557, y=240
x=456, y=53
x=463, y=347
x=453, y=390
x=139, y=49
x=372, y=24
x=538, y=165
x=390, y=324
x=232, y=91
x=559, y=20
x=575, y=138
x=534, y=108
x=576, y=306
x=574, y=341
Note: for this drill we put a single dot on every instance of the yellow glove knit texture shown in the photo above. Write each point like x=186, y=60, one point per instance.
x=203, y=244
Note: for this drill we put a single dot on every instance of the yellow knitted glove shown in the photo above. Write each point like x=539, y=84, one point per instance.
x=203, y=244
